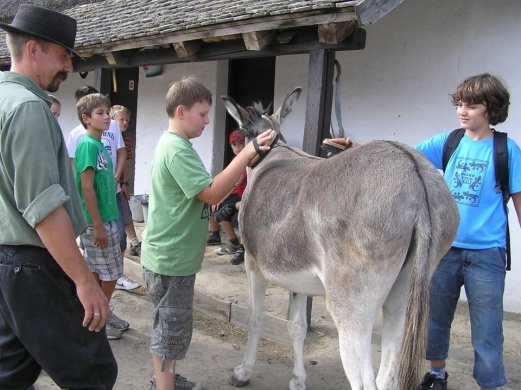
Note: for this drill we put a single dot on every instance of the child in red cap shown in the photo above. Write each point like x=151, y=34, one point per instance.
x=223, y=211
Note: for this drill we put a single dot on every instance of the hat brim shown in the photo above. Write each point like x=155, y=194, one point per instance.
x=9, y=28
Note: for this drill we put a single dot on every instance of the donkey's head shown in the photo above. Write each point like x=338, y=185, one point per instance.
x=255, y=119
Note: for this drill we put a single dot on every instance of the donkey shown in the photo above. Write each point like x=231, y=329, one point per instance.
x=366, y=228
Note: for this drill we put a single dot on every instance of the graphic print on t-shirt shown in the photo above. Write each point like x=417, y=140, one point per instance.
x=467, y=181
x=101, y=162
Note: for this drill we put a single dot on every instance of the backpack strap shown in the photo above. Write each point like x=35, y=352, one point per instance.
x=502, y=179
x=450, y=146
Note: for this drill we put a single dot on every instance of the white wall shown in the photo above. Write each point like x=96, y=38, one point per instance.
x=396, y=88
x=152, y=119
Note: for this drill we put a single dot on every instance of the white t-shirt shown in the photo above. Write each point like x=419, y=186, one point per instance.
x=111, y=139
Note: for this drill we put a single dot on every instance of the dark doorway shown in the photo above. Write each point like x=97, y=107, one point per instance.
x=249, y=80
x=124, y=92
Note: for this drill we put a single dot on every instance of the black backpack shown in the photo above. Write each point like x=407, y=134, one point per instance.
x=501, y=169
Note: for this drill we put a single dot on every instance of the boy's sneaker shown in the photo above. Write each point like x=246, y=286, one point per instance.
x=112, y=333
x=229, y=249
x=225, y=212
x=117, y=323
x=214, y=238
x=135, y=247
x=238, y=257
x=181, y=383
x=125, y=283
x=431, y=382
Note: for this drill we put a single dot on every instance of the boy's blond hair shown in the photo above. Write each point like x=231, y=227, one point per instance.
x=186, y=92
x=118, y=109
x=90, y=102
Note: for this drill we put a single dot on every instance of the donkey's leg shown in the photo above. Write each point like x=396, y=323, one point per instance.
x=354, y=315
x=297, y=329
x=257, y=293
x=393, y=323
x=354, y=297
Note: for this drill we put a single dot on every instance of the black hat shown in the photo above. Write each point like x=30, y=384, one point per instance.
x=44, y=23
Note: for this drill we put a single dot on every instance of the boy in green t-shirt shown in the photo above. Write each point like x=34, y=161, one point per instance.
x=95, y=180
x=174, y=239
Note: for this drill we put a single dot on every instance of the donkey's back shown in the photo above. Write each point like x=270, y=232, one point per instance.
x=297, y=206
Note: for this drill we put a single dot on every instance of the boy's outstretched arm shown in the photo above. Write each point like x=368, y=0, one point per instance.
x=224, y=181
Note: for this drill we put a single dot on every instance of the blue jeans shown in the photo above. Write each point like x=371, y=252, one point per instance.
x=120, y=223
x=482, y=272
x=41, y=326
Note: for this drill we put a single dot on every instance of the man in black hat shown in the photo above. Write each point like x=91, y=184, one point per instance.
x=52, y=312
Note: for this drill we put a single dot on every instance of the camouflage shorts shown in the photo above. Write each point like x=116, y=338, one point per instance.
x=173, y=298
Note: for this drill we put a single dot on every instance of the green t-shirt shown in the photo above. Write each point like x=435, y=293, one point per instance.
x=174, y=239
x=92, y=154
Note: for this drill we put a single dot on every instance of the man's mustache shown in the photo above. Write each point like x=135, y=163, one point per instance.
x=61, y=75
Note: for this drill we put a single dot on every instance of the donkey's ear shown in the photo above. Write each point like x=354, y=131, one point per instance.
x=287, y=106
x=237, y=112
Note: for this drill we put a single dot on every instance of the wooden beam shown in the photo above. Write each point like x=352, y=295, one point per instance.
x=303, y=19
x=258, y=40
x=334, y=33
x=187, y=49
x=319, y=99
x=303, y=42
x=370, y=11
x=222, y=38
x=114, y=58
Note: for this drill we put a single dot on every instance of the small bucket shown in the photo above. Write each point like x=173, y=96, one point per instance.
x=136, y=207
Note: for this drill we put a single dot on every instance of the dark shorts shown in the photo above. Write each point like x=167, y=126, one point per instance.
x=41, y=313
x=232, y=199
x=173, y=298
x=125, y=210
x=121, y=221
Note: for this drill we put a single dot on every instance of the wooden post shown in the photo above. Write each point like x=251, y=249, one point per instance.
x=103, y=80
x=319, y=99
x=318, y=113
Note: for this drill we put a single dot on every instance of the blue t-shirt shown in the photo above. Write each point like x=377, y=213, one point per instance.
x=470, y=176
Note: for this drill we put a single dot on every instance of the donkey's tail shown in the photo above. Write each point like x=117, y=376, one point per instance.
x=422, y=255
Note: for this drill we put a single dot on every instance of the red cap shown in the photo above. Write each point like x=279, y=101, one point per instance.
x=236, y=136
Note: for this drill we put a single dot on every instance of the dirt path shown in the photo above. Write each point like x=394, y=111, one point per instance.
x=218, y=346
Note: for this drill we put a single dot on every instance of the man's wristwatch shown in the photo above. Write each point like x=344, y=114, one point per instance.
x=124, y=183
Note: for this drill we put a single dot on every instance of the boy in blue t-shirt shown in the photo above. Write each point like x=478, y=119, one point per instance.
x=95, y=181
x=477, y=258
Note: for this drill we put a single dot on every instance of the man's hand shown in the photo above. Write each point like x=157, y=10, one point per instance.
x=57, y=235
x=95, y=303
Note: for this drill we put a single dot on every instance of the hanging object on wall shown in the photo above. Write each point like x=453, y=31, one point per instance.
x=153, y=70
x=114, y=81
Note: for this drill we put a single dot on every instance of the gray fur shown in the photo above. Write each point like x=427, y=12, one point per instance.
x=366, y=228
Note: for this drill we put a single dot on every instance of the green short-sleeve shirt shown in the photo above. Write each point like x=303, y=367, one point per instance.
x=174, y=239
x=91, y=153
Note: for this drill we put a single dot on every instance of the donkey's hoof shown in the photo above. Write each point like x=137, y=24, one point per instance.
x=234, y=381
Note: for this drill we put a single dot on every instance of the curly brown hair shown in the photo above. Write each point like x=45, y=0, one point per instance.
x=488, y=90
